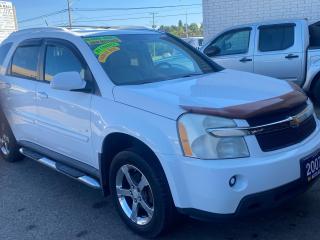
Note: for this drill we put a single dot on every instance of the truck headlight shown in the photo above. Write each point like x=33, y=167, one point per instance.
x=197, y=142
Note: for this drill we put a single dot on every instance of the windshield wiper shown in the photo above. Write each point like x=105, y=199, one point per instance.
x=191, y=75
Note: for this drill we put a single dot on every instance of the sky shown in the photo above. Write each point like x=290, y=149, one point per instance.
x=27, y=9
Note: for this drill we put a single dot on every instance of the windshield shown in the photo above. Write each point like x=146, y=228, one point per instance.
x=146, y=58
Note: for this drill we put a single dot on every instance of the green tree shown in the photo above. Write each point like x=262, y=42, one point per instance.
x=194, y=30
x=180, y=31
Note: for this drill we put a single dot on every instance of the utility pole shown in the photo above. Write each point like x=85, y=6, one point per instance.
x=154, y=27
x=187, y=31
x=69, y=14
x=153, y=20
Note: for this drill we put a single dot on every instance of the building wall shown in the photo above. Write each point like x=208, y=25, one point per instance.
x=8, y=20
x=221, y=14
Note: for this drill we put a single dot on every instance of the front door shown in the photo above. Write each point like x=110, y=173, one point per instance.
x=235, y=49
x=64, y=116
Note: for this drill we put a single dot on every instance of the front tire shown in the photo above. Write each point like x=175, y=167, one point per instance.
x=9, y=149
x=141, y=194
x=316, y=92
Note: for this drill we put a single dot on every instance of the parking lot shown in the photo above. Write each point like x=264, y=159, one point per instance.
x=37, y=203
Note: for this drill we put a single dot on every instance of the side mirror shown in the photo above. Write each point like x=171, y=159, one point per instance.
x=68, y=81
x=212, y=51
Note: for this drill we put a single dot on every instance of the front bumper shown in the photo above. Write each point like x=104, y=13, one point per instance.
x=255, y=203
x=263, y=180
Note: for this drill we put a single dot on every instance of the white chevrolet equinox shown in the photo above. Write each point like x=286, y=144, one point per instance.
x=146, y=118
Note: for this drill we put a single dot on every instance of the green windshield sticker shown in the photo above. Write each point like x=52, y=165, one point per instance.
x=104, y=47
x=101, y=40
x=104, y=55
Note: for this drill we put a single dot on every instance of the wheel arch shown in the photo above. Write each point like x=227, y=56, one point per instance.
x=309, y=88
x=313, y=81
x=115, y=143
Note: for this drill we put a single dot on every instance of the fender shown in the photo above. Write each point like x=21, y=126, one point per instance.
x=157, y=132
x=312, y=72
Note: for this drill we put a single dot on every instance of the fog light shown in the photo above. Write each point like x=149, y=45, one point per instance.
x=233, y=181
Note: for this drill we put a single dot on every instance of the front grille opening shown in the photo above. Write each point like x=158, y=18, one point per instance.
x=276, y=115
x=283, y=138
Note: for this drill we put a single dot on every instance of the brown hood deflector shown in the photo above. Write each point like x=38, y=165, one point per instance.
x=255, y=109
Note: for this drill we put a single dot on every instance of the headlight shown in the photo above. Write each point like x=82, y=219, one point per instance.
x=197, y=142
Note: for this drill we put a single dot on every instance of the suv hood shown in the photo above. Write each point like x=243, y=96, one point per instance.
x=220, y=91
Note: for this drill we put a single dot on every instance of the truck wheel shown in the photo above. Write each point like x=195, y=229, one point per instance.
x=316, y=92
x=9, y=149
x=141, y=194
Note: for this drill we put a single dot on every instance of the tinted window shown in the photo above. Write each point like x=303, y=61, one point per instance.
x=4, y=49
x=276, y=38
x=233, y=42
x=61, y=59
x=147, y=58
x=314, y=30
x=25, y=62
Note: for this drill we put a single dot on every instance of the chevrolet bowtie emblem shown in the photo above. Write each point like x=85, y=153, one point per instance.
x=295, y=122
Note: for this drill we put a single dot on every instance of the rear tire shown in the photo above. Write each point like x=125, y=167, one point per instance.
x=156, y=212
x=9, y=149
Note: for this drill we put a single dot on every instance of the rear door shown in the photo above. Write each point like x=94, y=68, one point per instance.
x=235, y=49
x=18, y=88
x=64, y=116
x=279, y=52
x=4, y=86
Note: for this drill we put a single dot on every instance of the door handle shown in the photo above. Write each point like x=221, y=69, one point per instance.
x=245, y=59
x=290, y=56
x=42, y=95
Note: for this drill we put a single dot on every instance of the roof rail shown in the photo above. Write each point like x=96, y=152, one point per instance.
x=76, y=28
x=40, y=29
x=84, y=26
x=105, y=27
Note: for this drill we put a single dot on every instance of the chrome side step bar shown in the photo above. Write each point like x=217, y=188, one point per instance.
x=61, y=168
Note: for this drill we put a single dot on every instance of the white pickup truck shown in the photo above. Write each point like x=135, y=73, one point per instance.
x=285, y=49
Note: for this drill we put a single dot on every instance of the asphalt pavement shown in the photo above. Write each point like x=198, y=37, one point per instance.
x=37, y=203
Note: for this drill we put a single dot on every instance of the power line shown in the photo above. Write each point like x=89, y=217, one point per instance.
x=69, y=10
x=134, y=8
x=51, y=24
x=105, y=16
x=134, y=18
x=119, y=15
x=43, y=16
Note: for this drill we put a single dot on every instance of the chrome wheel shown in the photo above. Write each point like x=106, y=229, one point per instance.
x=134, y=194
x=4, y=144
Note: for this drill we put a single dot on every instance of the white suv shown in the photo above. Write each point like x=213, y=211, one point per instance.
x=142, y=115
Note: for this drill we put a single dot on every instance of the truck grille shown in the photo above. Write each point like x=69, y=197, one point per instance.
x=271, y=141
